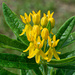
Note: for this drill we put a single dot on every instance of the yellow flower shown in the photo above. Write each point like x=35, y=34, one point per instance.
x=30, y=48
x=36, y=17
x=51, y=19
x=52, y=50
x=30, y=36
x=45, y=33
x=26, y=20
x=44, y=20
x=27, y=28
x=38, y=52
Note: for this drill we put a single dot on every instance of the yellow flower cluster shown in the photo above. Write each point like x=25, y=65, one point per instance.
x=37, y=34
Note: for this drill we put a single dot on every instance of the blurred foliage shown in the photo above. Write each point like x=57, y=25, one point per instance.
x=68, y=1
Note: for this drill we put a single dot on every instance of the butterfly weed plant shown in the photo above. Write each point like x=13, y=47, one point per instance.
x=38, y=44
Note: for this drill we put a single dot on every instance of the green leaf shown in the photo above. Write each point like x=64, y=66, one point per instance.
x=70, y=40
x=23, y=72
x=64, y=31
x=64, y=55
x=5, y=72
x=64, y=72
x=14, y=23
x=6, y=42
x=67, y=63
x=49, y=26
x=20, y=62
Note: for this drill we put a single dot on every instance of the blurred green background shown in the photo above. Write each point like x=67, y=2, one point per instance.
x=63, y=9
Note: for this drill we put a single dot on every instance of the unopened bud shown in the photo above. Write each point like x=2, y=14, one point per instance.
x=45, y=33
x=36, y=30
x=44, y=21
x=52, y=20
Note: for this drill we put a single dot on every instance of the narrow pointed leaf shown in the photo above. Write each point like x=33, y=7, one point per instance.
x=63, y=28
x=64, y=55
x=5, y=72
x=63, y=35
x=70, y=40
x=6, y=42
x=20, y=62
x=14, y=23
x=67, y=63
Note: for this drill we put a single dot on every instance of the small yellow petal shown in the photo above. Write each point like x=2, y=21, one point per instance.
x=31, y=50
x=24, y=30
x=23, y=19
x=59, y=52
x=57, y=41
x=33, y=12
x=41, y=44
x=44, y=15
x=37, y=58
x=50, y=54
x=43, y=55
x=54, y=38
x=38, y=40
x=55, y=54
x=47, y=52
x=26, y=49
x=33, y=54
x=48, y=13
x=49, y=41
x=39, y=13
x=30, y=47
x=52, y=14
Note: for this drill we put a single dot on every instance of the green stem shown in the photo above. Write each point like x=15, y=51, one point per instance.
x=23, y=72
x=45, y=45
x=45, y=68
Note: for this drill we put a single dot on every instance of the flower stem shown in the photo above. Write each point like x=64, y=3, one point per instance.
x=45, y=45
x=45, y=68
x=23, y=72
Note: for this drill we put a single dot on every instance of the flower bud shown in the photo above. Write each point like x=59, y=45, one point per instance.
x=44, y=21
x=45, y=33
x=52, y=20
x=36, y=19
x=36, y=30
